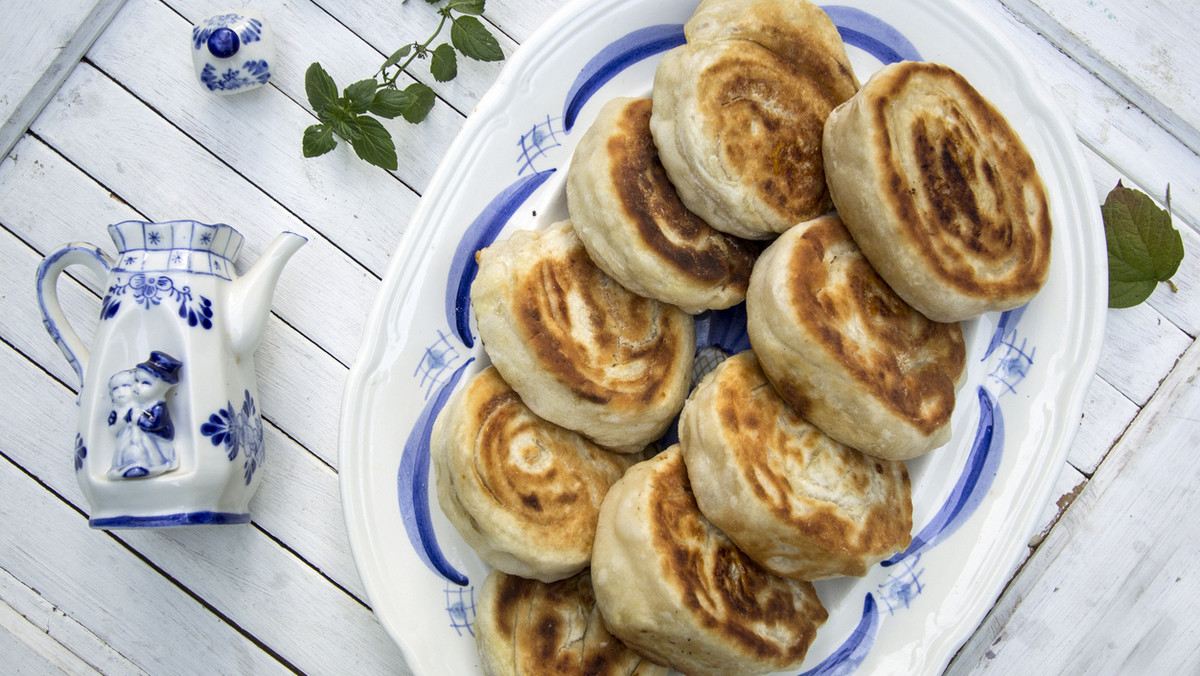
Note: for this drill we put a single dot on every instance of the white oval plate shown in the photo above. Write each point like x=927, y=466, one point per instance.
x=976, y=500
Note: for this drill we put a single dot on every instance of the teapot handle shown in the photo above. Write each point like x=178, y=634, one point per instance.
x=75, y=253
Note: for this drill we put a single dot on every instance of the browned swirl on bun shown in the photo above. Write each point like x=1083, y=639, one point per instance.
x=523, y=492
x=843, y=349
x=796, y=501
x=797, y=30
x=673, y=587
x=581, y=350
x=738, y=129
x=739, y=112
x=939, y=192
x=629, y=217
x=528, y=627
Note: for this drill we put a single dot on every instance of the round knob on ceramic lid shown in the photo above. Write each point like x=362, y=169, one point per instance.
x=223, y=43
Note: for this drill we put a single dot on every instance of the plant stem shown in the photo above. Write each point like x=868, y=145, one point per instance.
x=418, y=49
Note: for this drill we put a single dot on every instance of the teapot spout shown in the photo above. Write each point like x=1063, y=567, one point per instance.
x=250, y=295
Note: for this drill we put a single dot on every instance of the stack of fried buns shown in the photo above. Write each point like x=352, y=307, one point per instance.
x=860, y=225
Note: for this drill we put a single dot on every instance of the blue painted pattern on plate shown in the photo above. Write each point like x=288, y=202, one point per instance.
x=719, y=333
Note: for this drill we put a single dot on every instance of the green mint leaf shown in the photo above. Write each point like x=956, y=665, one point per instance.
x=346, y=126
x=444, y=64
x=389, y=103
x=470, y=37
x=360, y=94
x=420, y=102
x=466, y=6
x=396, y=56
x=318, y=140
x=319, y=86
x=374, y=143
x=1143, y=247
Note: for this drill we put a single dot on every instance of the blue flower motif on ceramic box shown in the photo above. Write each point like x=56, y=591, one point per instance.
x=248, y=29
x=232, y=51
x=240, y=430
x=251, y=74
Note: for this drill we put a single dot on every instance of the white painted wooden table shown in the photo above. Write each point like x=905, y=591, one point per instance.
x=103, y=122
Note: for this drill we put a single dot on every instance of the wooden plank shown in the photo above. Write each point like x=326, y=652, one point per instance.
x=1120, y=133
x=519, y=20
x=360, y=208
x=1142, y=49
x=36, y=58
x=46, y=201
x=1112, y=589
x=1140, y=349
x=299, y=503
x=239, y=571
x=95, y=580
x=1106, y=414
x=1070, y=481
x=101, y=128
x=27, y=650
x=85, y=652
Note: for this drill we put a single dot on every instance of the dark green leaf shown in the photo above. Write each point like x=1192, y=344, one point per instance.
x=1129, y=294
x=396, y=56
x=472, y=39
x=421, y=101
x=1143, y=247
x=389, y=103
x=374, y=143
x=360, y=94
x=444, y=64
x=320, y=88
x=318, y=140
x=346, y=127
x=466, y=6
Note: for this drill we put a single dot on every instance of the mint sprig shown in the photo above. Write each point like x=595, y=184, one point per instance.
x=1144, y=249
x=353, y=116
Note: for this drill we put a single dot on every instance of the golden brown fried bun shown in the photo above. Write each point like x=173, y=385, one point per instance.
x=797, y=502
x=845, y=351
x=674, y=588
x=633, y=225
x=797, y=30
x=939, y=192
x=738, y=128
x=581, y=350
x=523, y=492
x=528, y=627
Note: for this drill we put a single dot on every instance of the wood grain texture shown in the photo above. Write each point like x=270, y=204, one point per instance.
x=91, y=653
x=1144, y=49
x=28, y=650
x=36, y=59
x=95, y=579
x=129, y=134
x=1120, y=133
x=1111, y=590
x=252, y=584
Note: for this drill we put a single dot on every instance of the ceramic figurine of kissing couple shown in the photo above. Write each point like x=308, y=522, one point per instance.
x=141, y=420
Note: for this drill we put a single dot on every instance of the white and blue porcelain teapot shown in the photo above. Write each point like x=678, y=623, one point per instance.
x=169, y=428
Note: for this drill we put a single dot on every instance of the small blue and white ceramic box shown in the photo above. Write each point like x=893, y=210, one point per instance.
x=233, y=51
